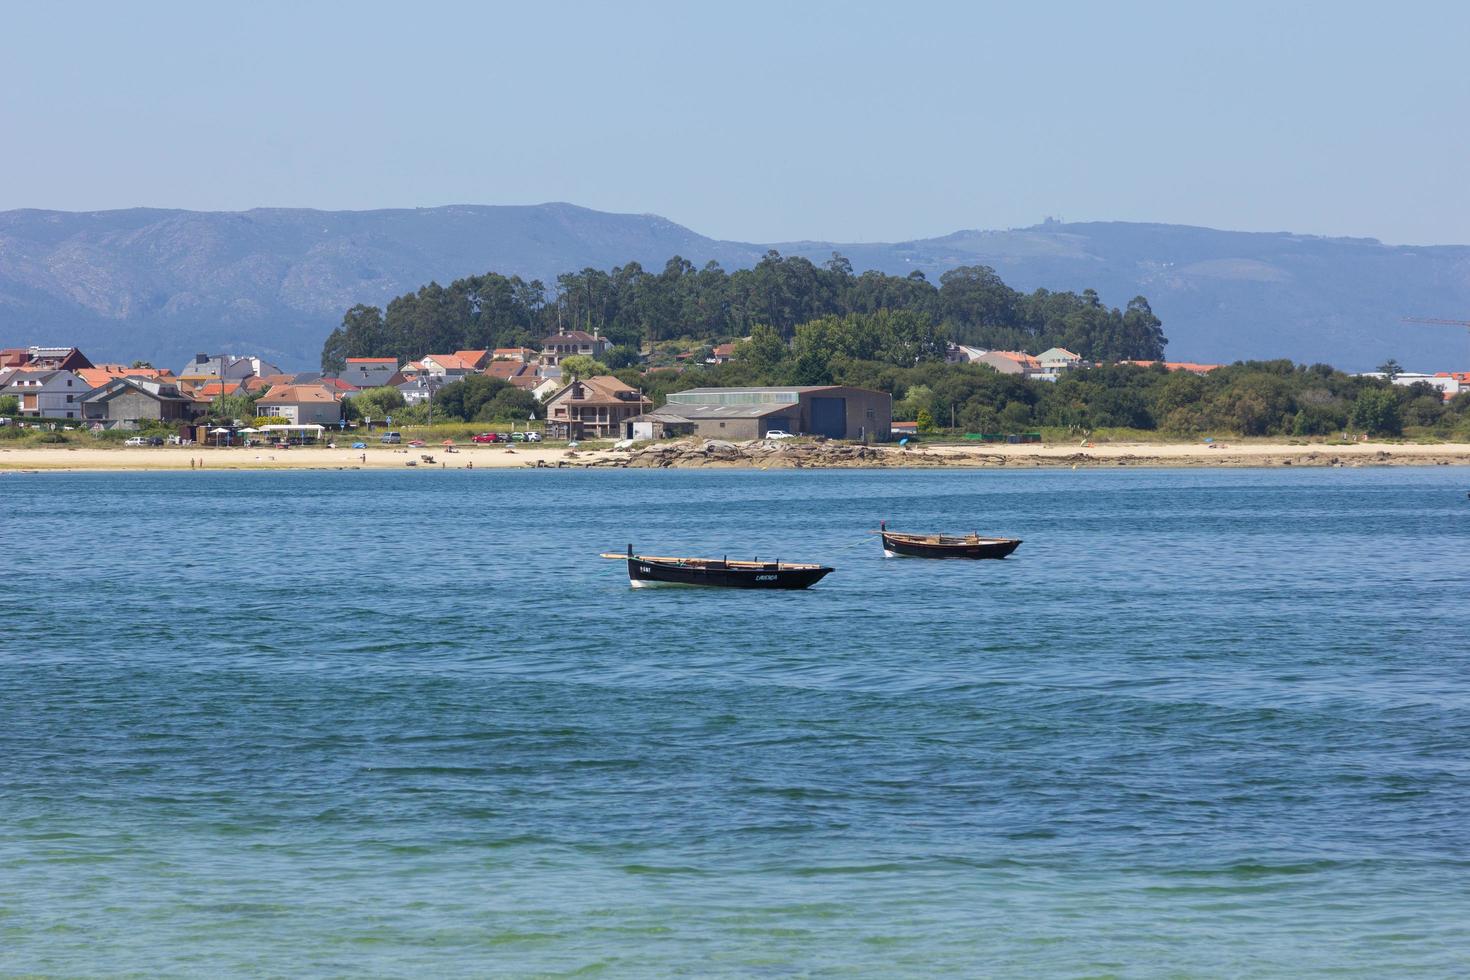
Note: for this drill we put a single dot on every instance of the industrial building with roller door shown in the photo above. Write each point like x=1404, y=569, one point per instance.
x=834, y=411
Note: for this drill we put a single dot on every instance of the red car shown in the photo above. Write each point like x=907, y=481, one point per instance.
x=484, y=437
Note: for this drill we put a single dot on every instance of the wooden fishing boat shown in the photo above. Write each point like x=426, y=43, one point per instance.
x=899, y=545
x=647, y=570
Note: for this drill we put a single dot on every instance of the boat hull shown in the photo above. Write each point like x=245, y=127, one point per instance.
x=643, y=573
x=894, y=547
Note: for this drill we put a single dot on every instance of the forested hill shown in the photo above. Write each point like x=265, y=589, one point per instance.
x=161, y=284
x=633, y=307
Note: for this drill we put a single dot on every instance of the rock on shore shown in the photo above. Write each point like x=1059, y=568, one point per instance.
x=821, y=454
x=762, y=454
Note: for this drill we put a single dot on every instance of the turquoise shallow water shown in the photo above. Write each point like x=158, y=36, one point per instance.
x=1202, y=723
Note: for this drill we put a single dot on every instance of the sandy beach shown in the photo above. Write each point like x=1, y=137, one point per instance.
x=1248, y=453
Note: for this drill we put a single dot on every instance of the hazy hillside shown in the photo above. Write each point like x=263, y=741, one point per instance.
x=162, y=284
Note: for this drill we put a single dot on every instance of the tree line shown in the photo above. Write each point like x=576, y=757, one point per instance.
x=893, y=352
x=633, y=307
x=1249, y=398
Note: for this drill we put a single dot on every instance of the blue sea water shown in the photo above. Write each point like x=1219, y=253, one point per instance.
x=1203, y=723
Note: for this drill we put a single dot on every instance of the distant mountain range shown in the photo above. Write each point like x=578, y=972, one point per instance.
x=163, y=285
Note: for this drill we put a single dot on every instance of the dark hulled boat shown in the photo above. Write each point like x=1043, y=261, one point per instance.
x=646, y=570
x=899, y=545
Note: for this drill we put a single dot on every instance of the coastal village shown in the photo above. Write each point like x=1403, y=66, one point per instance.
x=60, y=387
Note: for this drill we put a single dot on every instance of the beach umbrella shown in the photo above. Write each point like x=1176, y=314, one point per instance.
x=250, y=429
x=217, y=431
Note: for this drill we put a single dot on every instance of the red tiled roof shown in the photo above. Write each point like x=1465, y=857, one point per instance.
x=505, y=370
x=450, y=362
x=1020, y=357
x=472, y=358
x=103, y=373
x=214, y=389
x=297, y=395
x=1177, y=366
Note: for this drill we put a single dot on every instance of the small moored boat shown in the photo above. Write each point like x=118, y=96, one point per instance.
x=646, y=570
x=899, y=545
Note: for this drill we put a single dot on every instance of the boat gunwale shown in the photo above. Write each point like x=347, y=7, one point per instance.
x=758, y=566
x=944, y=540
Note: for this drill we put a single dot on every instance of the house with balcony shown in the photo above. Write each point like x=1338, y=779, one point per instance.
x=593, y=408
x=570, y=342
x=1059, y=359
x=47, y=394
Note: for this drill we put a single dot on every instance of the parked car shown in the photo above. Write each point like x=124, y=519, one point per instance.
x=136, y=441
x=485, y=437
x=392, y=438
x=779, y=434
x=533, y=437
x=155, y=440
x=518, y=436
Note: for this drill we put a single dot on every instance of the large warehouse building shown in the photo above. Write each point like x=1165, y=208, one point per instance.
x=835, y=411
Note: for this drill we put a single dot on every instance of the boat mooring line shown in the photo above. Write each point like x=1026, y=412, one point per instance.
x=857, y=544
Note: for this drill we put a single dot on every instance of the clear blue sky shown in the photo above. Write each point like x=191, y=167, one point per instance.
x=752, y=120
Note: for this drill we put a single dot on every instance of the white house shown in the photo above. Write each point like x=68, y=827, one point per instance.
x=301, y=404
x=450, y=367
x=1447, y=385
x=421, y=388
x=47, y=394
x=1058, y=359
